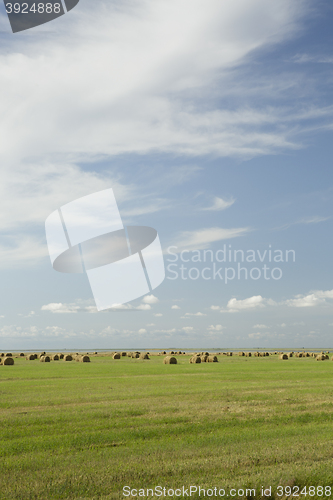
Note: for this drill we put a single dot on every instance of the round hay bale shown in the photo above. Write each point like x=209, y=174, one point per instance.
x=31, y=357
x=8, y=360
x=85, y=359
x=290, y=354
x=321, y=357
x=144, y=355
x=195, y=359
x=204, y=358
x=129, y=354
x=55, y=357
x=116, y=355
x=171, y=352
x=8, y=355
x=67, y=357
x=327, y=356
x=135, y=355
x=2, y=355
x=283, y=356
x=241, y=353
x=123, y=353
x=22, y=354
x=212, y=359
x=266, y=353
x=95, y=352
x=248, y=354
x=169, y=360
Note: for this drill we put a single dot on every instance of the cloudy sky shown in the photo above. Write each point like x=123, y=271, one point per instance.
x=212, y=122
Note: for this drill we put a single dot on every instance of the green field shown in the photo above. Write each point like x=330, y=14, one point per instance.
x=85, y=430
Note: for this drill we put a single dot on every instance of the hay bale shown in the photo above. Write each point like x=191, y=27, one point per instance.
x=116, y=355
x=45, y=359
x=144, y=355
x=123, y=353
x=8, y=355
x=212, y=359
x=290, y=354
x=321, y=357
x=2, y=355
x=22, y=354
x=195, y=359
x=203, y=358
x=283, y=356
x=31, y=357
x=169, y=360
x=8, y=360
x=85, y=359
x=67, y=357
x=248, y=354
x=229, y=353
x=241, y=353
x=55, y=357
x=135, y=355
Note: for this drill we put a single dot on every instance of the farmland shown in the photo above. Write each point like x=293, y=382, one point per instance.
x=84, y=430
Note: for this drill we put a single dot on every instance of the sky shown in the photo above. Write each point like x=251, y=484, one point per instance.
x=212, y=123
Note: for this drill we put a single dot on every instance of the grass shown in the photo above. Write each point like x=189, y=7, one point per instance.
x=84, y=430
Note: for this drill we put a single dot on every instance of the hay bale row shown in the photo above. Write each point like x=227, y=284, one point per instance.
x=169, y=360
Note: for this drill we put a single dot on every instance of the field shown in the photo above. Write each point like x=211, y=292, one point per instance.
x=85, y=430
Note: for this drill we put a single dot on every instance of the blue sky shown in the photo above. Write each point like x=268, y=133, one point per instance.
x=212, y=122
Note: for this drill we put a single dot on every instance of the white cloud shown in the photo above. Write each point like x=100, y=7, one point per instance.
x=175, y=307
x=136, y=80
x=171, y=330
x=195, y=314
x=245, y=304
x=59, y=308
x=144, y=307
x=142, y=330
x=220, y=204
x=313, y=299
x=259, y=326
x=150, y=299
x=151, y=324
x=158, y=315
x=215, y=308
x=131, y=64
x=2, y=316
x=21, y=250
x=309, y=220
x=202, y=238
x=216, y=328
x=188, y=329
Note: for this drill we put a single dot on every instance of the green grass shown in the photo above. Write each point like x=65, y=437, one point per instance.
x=83, y=431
